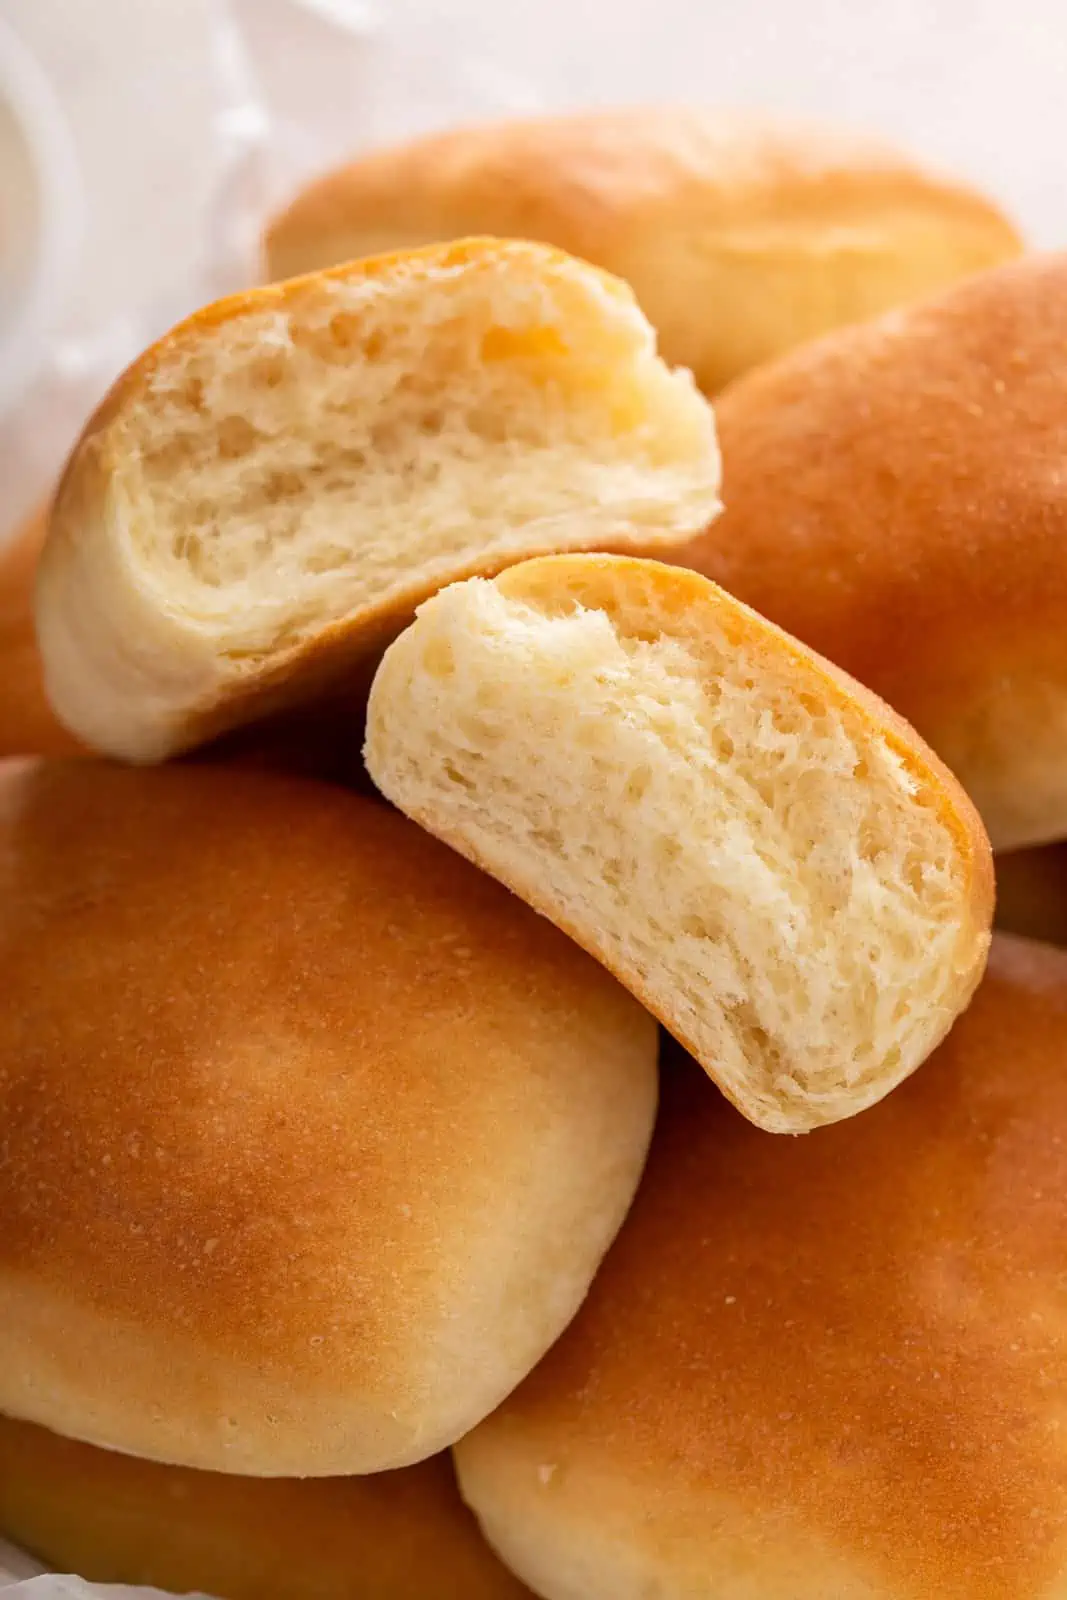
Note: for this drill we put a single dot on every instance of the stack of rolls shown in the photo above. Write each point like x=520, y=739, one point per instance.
x=312, y=1143
x=425, y=711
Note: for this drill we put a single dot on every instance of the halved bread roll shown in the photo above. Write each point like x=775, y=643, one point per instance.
x=311, y=741
x=741, y=235
x=761, y=851
x=403, y=1535
x=265, y=495
x=819, y=1369
x=311, y=1137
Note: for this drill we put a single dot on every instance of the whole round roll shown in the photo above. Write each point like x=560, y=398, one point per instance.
x=110, y=1518
x=895, y=497
x=312, y=1136
x=741, y=234
x=820, y=1367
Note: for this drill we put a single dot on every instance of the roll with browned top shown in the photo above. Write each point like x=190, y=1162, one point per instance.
x=312, y=1136
x=403, y=1535
x=896, y=497
x=823, y=1367
x=740, y=234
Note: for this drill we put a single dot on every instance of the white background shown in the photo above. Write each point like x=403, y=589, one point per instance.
x=979, y=86
x=976, y=86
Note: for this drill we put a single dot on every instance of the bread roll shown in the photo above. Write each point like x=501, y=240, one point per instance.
x=402, y=1535
x=1032, y=892
x=312, y=1137
x=896, y=498
x=314, y=741
x=819, y=1369
x=741, y=235
x=28, y=725
x=264, y=496
x=761, y=851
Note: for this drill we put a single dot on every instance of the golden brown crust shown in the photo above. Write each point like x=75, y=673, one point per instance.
x=28, y=725
x=679, y=598
x=401, y=1535
x=312, y=1137
x=740, y=234
x=149, y=682
x=645, y=595
x=848, y=1347
x=895, y=497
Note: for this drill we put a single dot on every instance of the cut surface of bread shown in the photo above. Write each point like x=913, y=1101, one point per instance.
x=768, y=857
x=312, y=741
x=741, y=234
x=266, y=494
x=403, y=1535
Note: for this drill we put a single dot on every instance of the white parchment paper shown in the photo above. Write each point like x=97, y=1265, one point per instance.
x=26, y=1579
